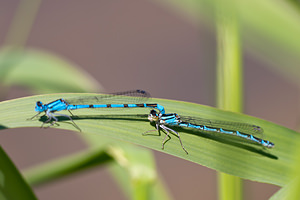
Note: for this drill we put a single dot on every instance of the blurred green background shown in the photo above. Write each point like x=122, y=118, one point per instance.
x=169, y=51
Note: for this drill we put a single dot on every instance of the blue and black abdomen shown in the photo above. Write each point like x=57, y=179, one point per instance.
x=250, y=137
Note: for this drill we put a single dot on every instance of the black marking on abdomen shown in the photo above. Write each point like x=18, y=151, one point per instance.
x=153, y=105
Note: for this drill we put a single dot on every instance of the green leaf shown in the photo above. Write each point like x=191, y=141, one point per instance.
x=12, y=184
x=223, y=153
x=43, y=72
x=65, y=166
x=291, y=190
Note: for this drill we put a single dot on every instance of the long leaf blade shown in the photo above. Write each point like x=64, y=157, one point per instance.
x=218, y=152
x=43, y=72
x=12, y=184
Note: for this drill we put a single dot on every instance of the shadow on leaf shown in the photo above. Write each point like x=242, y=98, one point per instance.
x=226, y=139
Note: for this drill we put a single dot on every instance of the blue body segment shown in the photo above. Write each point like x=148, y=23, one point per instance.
x=242, y=130
x=130, y=99
x=142, y=105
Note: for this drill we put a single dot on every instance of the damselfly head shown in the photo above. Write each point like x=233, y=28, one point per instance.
x=153, y=116
x=141, y=91
x=257, y=128
x=39, y=107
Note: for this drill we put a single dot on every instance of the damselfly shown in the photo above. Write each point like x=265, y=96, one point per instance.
x=128, y=99
x=242, y=130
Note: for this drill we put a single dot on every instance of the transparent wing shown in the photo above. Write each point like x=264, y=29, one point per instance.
x=132, y=96
x=226, y=125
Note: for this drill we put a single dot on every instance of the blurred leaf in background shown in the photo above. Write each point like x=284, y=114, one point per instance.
x=270, y=28
x=43, y=72
x=12, y=184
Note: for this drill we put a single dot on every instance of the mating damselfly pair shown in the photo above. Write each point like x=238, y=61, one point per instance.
x=136, y=99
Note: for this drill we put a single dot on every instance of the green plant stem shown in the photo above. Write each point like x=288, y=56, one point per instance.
x=229, y=88
x=22, y=23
